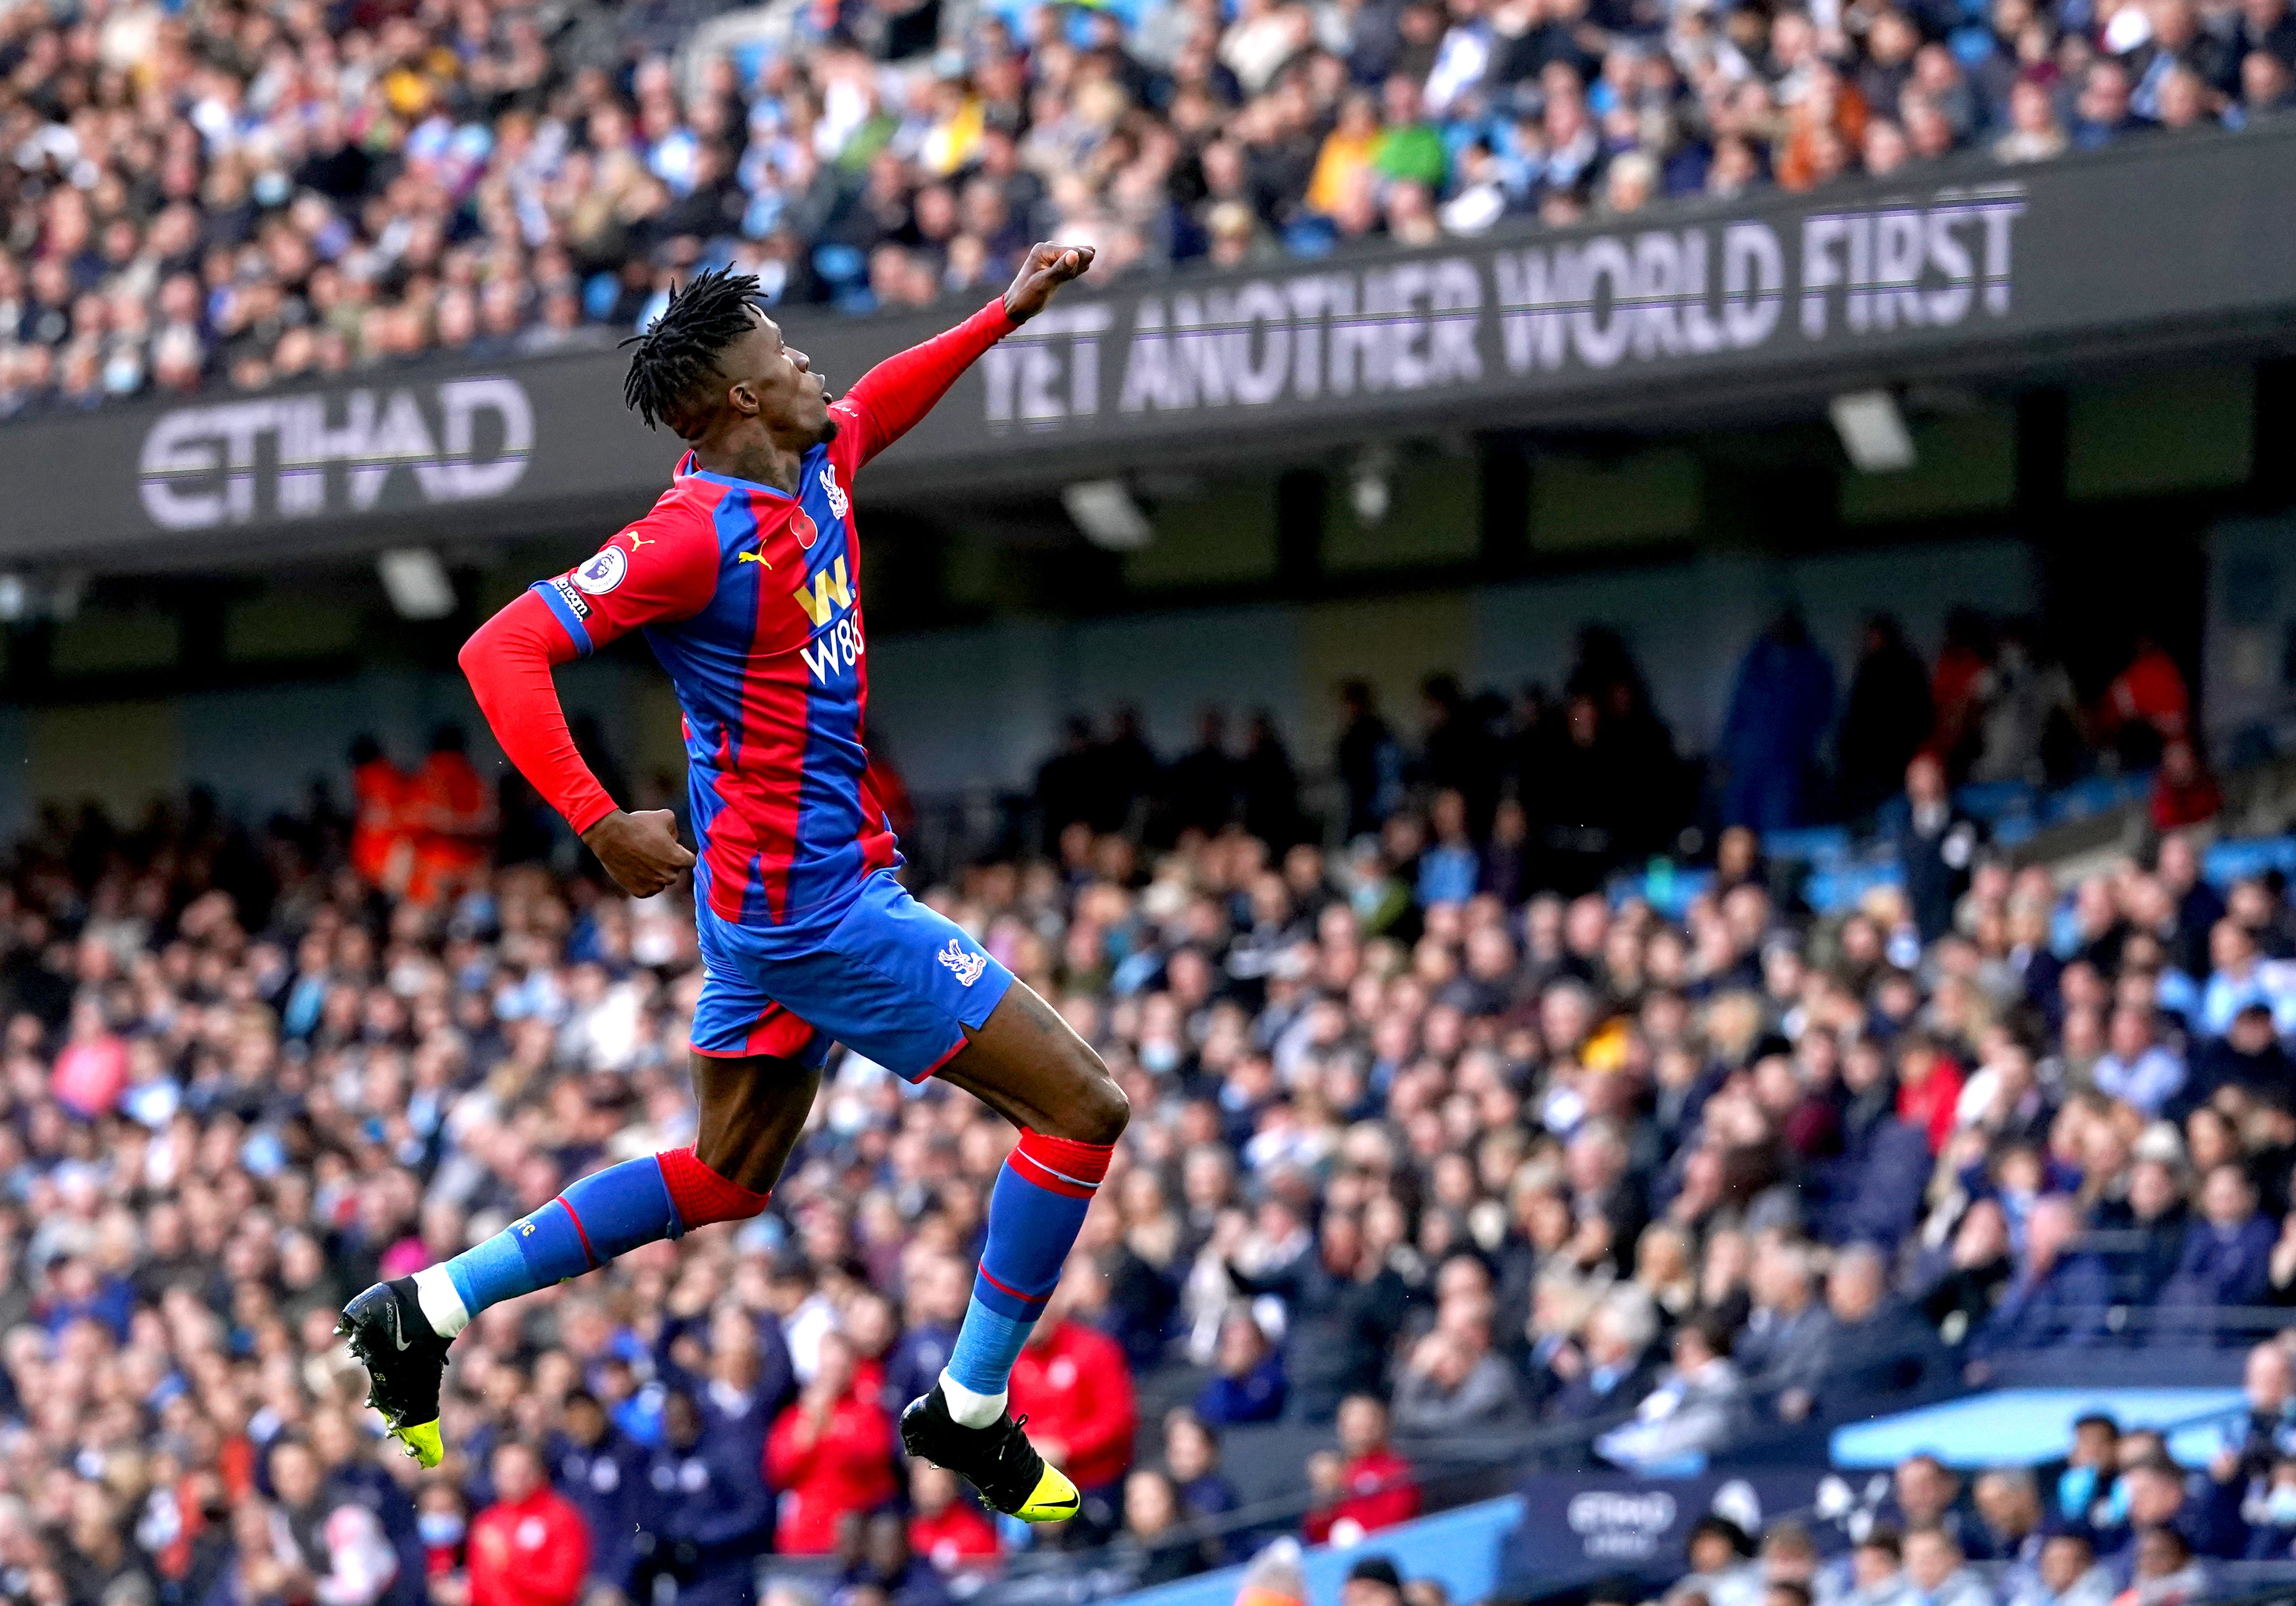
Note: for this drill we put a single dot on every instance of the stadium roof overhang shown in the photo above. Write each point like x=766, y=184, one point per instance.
x=1722, y=313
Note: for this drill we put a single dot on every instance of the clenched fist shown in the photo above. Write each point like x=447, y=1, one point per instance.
x=641, y=851
x=1045, y=270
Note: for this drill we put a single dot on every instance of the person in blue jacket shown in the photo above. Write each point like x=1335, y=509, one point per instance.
x=603, y=1474
x=713, y=1515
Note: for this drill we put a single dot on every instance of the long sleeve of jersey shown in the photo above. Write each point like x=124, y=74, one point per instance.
x=663, y=569
x=886, y=402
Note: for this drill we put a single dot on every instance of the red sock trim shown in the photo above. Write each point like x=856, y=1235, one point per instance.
x=1064, y=1156
x=700, y=1195
x=589, y=1253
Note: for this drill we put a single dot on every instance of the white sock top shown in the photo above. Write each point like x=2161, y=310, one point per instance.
x=434, y=1291
x=966, y=1408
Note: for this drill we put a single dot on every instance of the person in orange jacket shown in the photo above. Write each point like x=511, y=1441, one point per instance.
x=530, y=1547
x=1073, y=1383
x=453, y=816
x=830, y=1453
x=383, y=843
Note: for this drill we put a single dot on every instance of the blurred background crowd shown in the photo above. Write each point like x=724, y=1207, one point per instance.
x=1440, y=1158
x=218, y=191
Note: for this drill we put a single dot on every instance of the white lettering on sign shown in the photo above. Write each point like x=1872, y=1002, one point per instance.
x=1049, y=369
x=202, y=467
x=1597, y=303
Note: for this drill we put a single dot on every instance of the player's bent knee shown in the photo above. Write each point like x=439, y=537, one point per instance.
x=1101, y=1109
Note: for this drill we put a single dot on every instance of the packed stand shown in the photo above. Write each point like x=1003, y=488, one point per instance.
x=1428, y=1160
x=250, y=194
x=2113, y=1519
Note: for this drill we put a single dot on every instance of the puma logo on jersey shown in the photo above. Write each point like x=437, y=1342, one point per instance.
x=758, y=556
x=965, y=967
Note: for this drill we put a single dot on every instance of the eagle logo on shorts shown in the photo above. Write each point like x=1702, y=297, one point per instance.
x=965, y=967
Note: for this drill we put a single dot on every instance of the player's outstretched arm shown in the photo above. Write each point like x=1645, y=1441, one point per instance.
x=887, y=402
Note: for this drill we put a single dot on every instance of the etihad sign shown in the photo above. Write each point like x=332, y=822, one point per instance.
x=303, y=457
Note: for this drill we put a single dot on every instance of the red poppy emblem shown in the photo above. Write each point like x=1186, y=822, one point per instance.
x=801, y=527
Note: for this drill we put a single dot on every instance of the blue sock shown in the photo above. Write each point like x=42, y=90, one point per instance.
x=1035, y=1213
x=605, y=1213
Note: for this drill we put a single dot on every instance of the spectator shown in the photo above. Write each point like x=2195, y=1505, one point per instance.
x=1779, y=713
x=945, y=1527
x=1076, y=1390
x=888, y=1564
x=1192, y=1458
x=2183, y=793
x=339, y=1545
x=2147, y=705
x=1937, y=1574
x=1452, y=1385
x=2137, y=1067
x=1876, y=1570
x=1368, y=759
x=1886, y=719
x=1364, y=1486
x=1874, y=1344
x=714, y=1512
x=2067, y=1574
x=1936, y=847
x=1155, y=1545
x=2155, y=1212
x=2226, y=1252
x=2009, y=1508
x=2164, y=1572
x=830, y=1454
x=530, y=1547
x=1698, y=1405
x=1248, y=1383
x=1373, y=1581
x=1617, y=1369
x=1721, y=1569
x=601, y=1474
x=2060, y=1293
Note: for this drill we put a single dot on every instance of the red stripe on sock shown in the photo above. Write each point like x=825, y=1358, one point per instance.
x=996, y=1282
x=700, y=1195
x=1086, y=1163
x=589, y=1253
x=1030, y=1170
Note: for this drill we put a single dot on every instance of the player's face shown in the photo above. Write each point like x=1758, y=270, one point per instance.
x=792, y=399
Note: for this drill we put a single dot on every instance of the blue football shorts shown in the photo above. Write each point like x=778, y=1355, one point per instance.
x=890, y=979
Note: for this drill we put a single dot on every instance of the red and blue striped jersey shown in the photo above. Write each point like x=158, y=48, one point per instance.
x=750, y=598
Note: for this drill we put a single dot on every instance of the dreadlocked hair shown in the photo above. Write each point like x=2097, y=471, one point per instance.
x=678, y=352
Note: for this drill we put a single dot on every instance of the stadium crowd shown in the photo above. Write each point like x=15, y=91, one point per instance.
x=222, y=191
x=1422, y=1150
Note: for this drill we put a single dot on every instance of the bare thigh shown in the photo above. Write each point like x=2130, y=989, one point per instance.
x=1029, y=1065
x=752, y=1111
